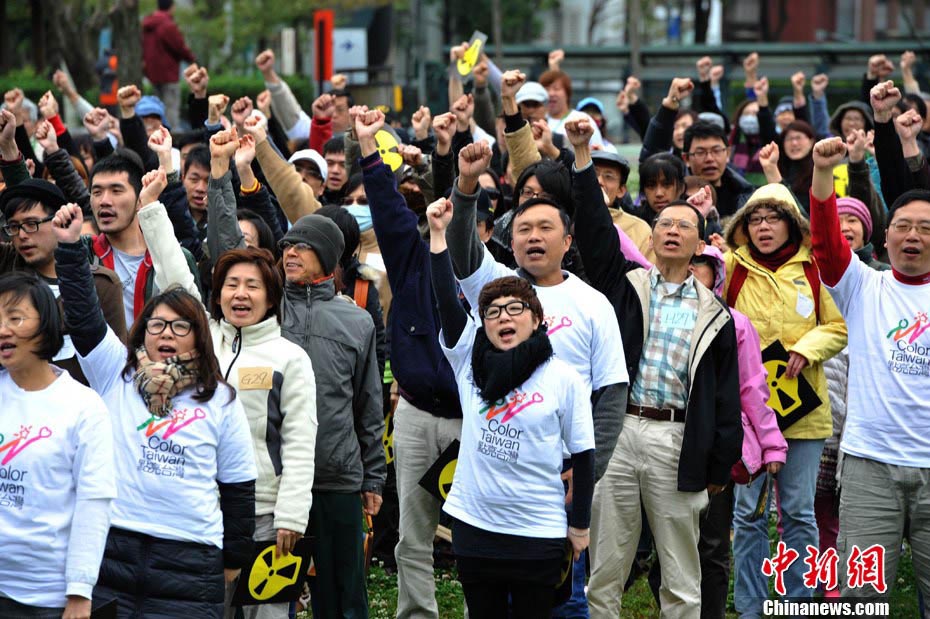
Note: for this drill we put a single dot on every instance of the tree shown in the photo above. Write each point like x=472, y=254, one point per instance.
x=520, y=21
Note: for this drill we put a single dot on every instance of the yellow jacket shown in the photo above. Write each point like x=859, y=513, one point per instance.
x=771, y=301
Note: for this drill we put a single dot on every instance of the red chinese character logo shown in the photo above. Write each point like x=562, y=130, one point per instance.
x=821, y=568
x=777, y=565
x=867, y=567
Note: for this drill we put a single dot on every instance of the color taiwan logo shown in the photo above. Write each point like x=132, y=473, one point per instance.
x=172, y=424
x=910, y=330
x=510, y=406
x=20, y=441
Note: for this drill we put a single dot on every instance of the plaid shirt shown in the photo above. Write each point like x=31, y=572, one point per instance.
x=662, y=381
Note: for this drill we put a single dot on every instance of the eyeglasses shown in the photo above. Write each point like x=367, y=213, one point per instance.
x=363, y=201
x=180, y=327
x=666, y=223
x=609, y=177
x=16, y=322
x=527, y=192
x=30, y=226
x=771, y=219
x=513, y=308
x=903, y=226
x=286, y=245
x=703, y=153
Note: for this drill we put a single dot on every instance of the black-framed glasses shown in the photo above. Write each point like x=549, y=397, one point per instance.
x=771, y=219
x=513, y=308
x=30, y=226
x=704, y=153
x=180, y=327
x=283, y=246
x=361, y=201
x=526, y=192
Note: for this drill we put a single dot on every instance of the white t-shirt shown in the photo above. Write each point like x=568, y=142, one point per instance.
x=507, y=479
x=582, y=324
x=56, y=447
x=889, y=366
x=169, y=467
x=127, y=269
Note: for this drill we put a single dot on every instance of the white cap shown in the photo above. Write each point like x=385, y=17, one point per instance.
x=308, y=154
x=532, y=91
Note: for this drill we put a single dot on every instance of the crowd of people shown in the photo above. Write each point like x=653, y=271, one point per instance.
x=205, y=332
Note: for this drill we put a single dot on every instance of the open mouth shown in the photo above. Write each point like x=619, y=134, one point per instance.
x=291, y=264
x=241, y=310
x=6, y=350
x=536, y=251
x=167, y=350
x=104, y=217
x=507, y=334
x=911, y=251
x=671, y=244
x=200, y=200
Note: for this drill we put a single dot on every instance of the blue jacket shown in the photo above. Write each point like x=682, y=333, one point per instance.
x=422, y=372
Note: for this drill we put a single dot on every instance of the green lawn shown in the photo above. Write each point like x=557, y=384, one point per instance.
x=637, y=602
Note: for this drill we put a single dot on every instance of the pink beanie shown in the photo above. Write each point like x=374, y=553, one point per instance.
x=855, y=207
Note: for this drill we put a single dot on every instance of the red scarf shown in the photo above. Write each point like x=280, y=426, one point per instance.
x=777, y=258
x=911, y=280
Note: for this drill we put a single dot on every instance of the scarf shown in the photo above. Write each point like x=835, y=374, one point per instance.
x=774, y=260
x=498, y=372
x=159, y=381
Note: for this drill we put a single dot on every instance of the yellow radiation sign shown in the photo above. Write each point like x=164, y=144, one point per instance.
x=271, y=579
x=462, y=68
x=387, y=439
x=790, y=398
x=438, y=478
x=388, y=149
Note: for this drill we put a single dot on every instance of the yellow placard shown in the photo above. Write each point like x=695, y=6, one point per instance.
x=255, y=378
x=270, y=574
x=468, y=61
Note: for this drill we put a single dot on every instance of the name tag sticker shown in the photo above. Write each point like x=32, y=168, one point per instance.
x=805, y=305
x=677, y=318
x=255, y=378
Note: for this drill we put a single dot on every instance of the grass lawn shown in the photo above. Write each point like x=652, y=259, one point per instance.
x=637, y=602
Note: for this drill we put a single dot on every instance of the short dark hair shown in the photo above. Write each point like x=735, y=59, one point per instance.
x=200, y=156
x=342, y=92
x=662, y=165
x=18, y=285
x=522, y=208
x=510, y=286
x=121, y=160
x=265, y=235
x=703, y=130
x=24, y=203
x=911, y=99
x=189, y=308
x=355, y=181
x=164, y=5
x=554, y=179
x=271, y=277
x=678, y=203
x=913, y=195
x=334, y=145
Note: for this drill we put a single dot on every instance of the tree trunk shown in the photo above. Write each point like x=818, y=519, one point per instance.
x=127, y=38
x=5, y=59
x=72, y=35
x=37, y=26
x=701, y=21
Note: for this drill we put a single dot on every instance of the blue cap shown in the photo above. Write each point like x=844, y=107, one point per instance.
x=152, y=106
x=590, y=101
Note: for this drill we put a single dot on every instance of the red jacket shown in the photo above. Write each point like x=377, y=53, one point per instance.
x=163, y=48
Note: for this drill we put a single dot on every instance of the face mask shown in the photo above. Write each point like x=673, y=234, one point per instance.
x=749, y=125
x=362, y=214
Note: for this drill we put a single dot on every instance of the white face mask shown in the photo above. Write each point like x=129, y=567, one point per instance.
x=749, y=124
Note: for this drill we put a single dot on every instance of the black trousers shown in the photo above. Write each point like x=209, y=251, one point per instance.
x=502, y=589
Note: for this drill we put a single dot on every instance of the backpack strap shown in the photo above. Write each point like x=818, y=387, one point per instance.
x=813, y=278
x=360, y=295
x=737, y=279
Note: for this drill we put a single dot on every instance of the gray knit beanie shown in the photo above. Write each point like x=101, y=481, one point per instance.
x=321, y=234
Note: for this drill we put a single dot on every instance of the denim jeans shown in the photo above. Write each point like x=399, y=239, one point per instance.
x=577, y=606
x=795, y=484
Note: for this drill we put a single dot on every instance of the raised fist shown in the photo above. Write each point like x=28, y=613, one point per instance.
x=265, y=62
x=241, y=109
x=511, y=82
x=679, y=89
x=819, y=85
x=556, y=57
x=66, y=225
x=45, y=135
x=855, y=145
x=323, y=106
x=443, y=128
x=716, y=73
x=153, y=183
x=751, y=64
x=464, y=109
x=412, y=155
x=216, y=106
x=908, y=125
x=245, y=154
x=421, y=121
x=883, y=98
x=339, y=81
x=14, y=100
x=263, y=101
x=438, y=215
x=579, y=131
x=880, y=67
x=761, y=88
x=829, y=153
x=97, y=122
x=255, y=126
x=128, y=97
x=368, y=124
x=63, y=82
x=160, y=141
x=224, y=144
x=797, y=81
x=474, y=159
x=908, y=60
x=197, y=79
x=768, y=156
x=704, y=66
x=48, y=106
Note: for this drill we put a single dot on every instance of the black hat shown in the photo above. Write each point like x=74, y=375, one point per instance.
x=606, y=157
x=35, y=189
x=321, y=234
x=484, y=206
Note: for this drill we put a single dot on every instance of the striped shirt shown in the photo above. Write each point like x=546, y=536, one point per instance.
x=662, y=380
